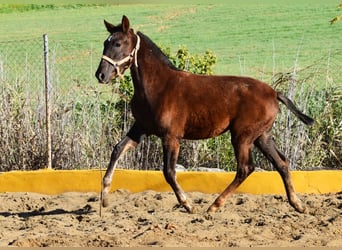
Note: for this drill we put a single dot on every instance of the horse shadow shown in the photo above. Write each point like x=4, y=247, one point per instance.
x=87, y=209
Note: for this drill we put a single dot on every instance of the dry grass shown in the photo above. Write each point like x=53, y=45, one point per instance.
x=86, y=123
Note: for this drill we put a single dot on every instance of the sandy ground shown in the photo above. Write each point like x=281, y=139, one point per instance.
x=152, y=219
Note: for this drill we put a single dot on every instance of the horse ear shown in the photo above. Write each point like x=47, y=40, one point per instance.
x=125, y=24
x=110, y=27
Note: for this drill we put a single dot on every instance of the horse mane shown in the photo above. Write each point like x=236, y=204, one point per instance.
x=157, y=51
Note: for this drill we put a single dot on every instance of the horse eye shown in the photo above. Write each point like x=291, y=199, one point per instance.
x=117, y=44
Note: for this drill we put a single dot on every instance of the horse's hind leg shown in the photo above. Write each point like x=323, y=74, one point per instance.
x=267, y=146
x=245, y=167
x=170, y=152
x=131, y=140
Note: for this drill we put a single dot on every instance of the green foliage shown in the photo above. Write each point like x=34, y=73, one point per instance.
x=328, y=128
x=198, y=64
x=125, y=88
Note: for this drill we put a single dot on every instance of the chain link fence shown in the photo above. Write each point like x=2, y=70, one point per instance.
x=86, y=123
x=22, y=125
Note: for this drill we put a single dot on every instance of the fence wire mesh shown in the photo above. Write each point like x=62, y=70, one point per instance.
x=86, y=123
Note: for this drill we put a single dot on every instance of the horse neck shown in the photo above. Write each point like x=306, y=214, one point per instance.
x=151, y=69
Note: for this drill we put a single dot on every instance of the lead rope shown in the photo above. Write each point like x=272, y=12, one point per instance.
x=137, y=47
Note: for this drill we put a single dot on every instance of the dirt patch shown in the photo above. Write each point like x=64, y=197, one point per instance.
x=153, y=219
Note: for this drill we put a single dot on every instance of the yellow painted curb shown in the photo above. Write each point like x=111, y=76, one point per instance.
x=60, y=181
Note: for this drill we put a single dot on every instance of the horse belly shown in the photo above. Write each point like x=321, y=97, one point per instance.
x=203, y=127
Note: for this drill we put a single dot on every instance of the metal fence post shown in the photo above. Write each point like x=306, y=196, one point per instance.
x=47, y=101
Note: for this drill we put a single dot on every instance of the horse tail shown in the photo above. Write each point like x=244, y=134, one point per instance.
x=289, y=104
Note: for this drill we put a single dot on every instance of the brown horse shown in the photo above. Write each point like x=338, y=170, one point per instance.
x=174, y=105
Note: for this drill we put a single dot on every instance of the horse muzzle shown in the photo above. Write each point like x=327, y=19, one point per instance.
x=105, y=76
x=101, y=77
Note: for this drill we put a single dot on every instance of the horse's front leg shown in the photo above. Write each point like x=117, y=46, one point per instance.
x=170, y=152
x=131, y=140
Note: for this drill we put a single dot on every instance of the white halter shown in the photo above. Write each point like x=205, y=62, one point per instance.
x=118, y=64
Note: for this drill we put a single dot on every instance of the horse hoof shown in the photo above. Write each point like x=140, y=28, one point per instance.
x=105, y=202
x=192, y=210
x=300, y=208
x=297, y=205
x=212, y=209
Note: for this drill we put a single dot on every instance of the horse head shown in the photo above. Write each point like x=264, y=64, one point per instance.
x=119, y=52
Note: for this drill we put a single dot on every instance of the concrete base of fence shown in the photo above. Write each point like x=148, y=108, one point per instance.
x=60, y=181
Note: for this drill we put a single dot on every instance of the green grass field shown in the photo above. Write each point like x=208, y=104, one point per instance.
x=247, y=36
